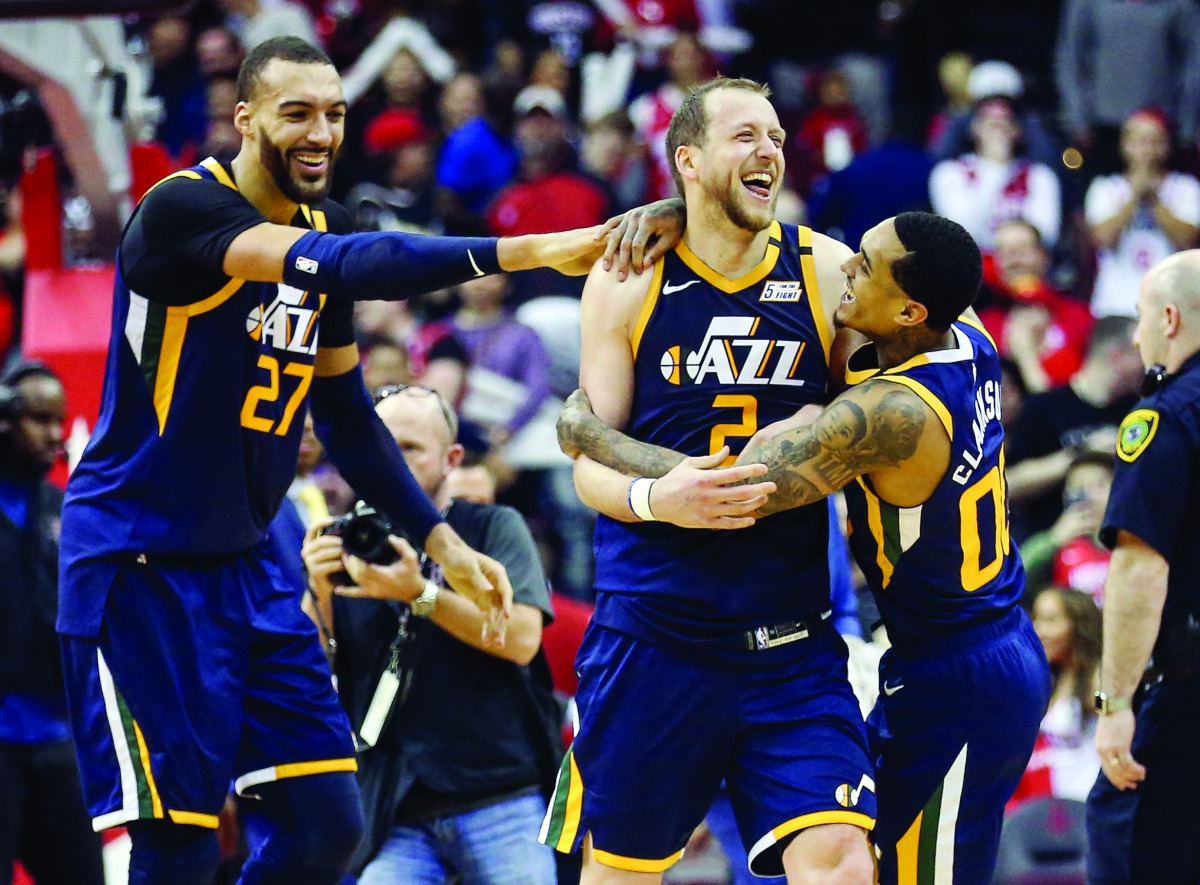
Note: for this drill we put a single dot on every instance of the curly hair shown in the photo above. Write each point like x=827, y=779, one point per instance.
x=943, y=267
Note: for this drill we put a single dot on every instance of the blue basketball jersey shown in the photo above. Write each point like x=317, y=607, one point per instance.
x=948, y=564
x=715, y=360
x=204, y=393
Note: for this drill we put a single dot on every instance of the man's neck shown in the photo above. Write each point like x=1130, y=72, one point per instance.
x=257, y=186
x=728, y=249
x=908, y=343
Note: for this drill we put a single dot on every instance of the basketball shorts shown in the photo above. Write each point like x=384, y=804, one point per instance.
x=658, y=732
x=951, y=735
x=200, y=678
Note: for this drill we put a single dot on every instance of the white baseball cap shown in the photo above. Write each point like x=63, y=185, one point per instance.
x=995, y=78
x=540, y=97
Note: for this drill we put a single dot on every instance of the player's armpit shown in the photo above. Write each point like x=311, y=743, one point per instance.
x=876, y=425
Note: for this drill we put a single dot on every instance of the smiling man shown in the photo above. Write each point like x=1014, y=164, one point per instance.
x=188, y=666
x=710, y=655
x=917, y=445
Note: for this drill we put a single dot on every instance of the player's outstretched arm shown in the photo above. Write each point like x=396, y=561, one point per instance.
x=367, y=456
x=391, y=265
x=874, y=426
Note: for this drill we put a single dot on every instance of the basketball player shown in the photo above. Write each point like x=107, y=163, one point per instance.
x=188, y=664
x=710, y=655
x=917, y=444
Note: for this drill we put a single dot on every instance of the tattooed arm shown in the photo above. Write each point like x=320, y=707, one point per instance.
x=875, y=426
x=580, y=432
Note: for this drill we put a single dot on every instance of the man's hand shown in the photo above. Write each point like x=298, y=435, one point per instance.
x=1114, y=740
x=322, y=555
x=477, y=577
x=574, y=418
x=401, y=581
x=1081, y=520
x=570, y=252
x=697, y=494
x=641, y=236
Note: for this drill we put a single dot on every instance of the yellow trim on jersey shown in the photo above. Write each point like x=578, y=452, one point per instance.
x=174, y=331
x=194, y=818
x=218, y=172
x=978, y=327
x=648, y=303
x=144, y=754
x=212, y=301
x=300, y=769
x=572, y=811
x=182, y=173
x=634, y=864
x=927, y=395
x=726, y=285
x=875, y=524
x=812, y=289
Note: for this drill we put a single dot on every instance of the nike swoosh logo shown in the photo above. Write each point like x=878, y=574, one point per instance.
x=471, y=258
x=890, y=690
x=668, y=288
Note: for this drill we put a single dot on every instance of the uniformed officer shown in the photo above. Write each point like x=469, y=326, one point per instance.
x=1143, y=817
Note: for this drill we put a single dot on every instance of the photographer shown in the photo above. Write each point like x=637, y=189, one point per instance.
x=43, y=822
x=454, y=778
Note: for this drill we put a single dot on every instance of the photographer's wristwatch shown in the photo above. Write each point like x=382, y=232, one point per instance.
x=1106, y=704
x=423, y=605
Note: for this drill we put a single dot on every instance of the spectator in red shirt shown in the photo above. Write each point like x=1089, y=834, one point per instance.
x=831, y=135
x=548, y=195
x=1043, y=331
x=1069, y=553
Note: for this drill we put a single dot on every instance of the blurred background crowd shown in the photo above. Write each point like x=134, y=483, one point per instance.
x=1061, y=133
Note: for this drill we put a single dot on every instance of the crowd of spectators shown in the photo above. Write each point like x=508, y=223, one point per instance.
x=1061, y=133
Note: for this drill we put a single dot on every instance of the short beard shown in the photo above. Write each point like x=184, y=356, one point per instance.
x=275, y=162
x=737, y=213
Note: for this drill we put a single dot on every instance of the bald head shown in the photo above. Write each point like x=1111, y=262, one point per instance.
x=1168, y=326
x=1177, y=279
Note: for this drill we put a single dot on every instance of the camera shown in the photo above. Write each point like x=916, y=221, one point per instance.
x=364, y=533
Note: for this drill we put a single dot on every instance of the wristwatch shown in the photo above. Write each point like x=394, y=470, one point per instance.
x=423, y=605
x=1105, y=704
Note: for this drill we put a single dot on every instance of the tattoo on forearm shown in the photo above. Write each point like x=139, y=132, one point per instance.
x=614, y=449
x=808, y=463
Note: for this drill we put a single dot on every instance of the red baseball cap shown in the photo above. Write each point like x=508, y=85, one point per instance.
x=392, y=129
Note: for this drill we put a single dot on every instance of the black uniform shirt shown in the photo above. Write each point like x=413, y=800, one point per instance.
x=1156, y=486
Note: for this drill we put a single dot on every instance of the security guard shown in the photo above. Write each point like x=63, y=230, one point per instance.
x=1143, y=817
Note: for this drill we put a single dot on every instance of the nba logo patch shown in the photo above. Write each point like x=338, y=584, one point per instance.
x=306, y=265
x=781, y=291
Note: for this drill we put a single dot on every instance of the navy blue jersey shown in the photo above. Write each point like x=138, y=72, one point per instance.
x=715, y=360
x=948, y=564
x=205, y=388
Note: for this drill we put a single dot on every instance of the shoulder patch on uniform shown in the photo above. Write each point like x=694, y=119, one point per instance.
x=1137, y=430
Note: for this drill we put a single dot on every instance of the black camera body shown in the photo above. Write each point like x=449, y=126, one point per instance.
x=364, y=533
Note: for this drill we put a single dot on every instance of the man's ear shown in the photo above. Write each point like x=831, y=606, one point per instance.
x=241, y=117
x=1171, y=319
x=685, y=161
x=913, y=314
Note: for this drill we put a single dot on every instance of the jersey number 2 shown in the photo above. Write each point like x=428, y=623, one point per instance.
x=747, y=427
x=269, y=393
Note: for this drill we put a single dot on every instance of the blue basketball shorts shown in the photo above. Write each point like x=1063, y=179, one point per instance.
x=951, y=735
x=200, y=678
x=659, y=731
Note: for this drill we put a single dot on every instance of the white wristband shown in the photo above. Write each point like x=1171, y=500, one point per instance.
x=639, y=499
